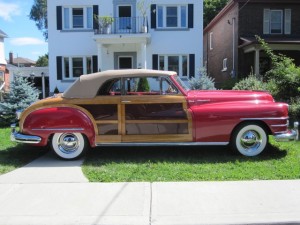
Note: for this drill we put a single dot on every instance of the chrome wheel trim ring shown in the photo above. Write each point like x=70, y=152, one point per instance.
x=68, y=143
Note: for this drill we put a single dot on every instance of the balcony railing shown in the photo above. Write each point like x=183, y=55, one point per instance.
x=123, y=25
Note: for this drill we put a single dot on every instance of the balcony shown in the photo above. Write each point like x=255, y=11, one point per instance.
x=121, y=25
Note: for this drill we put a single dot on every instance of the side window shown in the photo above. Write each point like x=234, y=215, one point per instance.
x=149, y=86
x=168, y=88
x=142, y=86
x=110, y=87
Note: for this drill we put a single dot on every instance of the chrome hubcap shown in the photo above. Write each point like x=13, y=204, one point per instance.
x=251, y=140
x=68, y=143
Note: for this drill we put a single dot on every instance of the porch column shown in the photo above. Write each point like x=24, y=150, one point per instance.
x=144, y=55
x=256, y=69
x=100, y=61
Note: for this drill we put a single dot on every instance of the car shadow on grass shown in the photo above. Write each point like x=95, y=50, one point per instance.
x=18, y=156
x=183, y=154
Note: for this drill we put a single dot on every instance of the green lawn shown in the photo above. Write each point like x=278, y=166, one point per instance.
x=122, y=164
x=14, y=155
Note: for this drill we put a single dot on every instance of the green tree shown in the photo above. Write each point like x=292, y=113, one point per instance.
x=38, y=14
x=211, y=8
x=21, y=95
x=203, y=81
x=143, y=85
x=42, y=61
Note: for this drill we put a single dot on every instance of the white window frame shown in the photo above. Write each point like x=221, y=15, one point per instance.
x=69, y=19
x=224, y=65
x=70, y=58
x=180, y=66
x=211, y=41
x=164, y=17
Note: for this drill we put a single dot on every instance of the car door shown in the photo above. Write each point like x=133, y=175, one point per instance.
x=154, y=110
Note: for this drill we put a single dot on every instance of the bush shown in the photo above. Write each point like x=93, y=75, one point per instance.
x=202, y=82
x=250, y=83
x=294, y=109
x=284, y=76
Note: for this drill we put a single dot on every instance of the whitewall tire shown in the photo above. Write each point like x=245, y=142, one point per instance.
x=68, y=145
x=249, y=139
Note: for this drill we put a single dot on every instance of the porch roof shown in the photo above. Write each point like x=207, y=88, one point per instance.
x=246, y=41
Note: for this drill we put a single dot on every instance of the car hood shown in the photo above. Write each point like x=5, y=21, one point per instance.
x=202, y=97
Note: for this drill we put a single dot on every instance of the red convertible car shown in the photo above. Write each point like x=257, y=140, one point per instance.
x=150, y=107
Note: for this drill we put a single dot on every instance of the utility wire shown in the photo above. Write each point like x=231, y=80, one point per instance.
x=244, y=5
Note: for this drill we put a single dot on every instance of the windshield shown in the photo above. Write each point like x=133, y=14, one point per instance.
x=181, y=83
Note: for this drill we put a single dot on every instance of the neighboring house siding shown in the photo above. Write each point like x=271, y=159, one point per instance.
x=221, y=47
x=181, y=43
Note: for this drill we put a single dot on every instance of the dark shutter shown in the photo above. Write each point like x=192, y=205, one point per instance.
x=190, y=16
x=59, y=67
x=153, y=16
x=59, y=17
x=95, y=12
x=192, y=65
x=95, y=63
x=155, y=62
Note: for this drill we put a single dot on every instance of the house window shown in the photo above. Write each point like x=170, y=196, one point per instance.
x=276, y=22
x=74, y=67
x=172, y=16
x=1, y=78
x=77, y=18
x=211, y=41
x=224, y=65
x=177, y=63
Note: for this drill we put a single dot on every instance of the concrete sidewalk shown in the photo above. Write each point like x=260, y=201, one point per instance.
x=49, y=200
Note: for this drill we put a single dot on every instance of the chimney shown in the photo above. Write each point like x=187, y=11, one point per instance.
x=11, y=58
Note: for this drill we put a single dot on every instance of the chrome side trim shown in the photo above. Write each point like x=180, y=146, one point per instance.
x=280, y=125
x=164, y=144
x=266, y=118
x=58, y=129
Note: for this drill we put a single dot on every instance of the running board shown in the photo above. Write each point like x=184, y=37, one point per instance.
x=164, y=144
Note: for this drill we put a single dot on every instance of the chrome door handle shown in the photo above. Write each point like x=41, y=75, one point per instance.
x=126, y=101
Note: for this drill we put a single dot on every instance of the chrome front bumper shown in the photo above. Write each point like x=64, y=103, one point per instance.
x=290, y=135
x=22, y=138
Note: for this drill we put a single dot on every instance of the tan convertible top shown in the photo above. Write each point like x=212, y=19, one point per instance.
x=86, y=86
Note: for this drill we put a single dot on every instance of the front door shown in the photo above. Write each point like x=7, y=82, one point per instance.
x=125, y=62
x=153, y=110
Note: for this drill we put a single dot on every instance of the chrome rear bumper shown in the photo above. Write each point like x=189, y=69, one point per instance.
x=22, y=138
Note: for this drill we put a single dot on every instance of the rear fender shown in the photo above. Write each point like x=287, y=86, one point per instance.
x=46, y=121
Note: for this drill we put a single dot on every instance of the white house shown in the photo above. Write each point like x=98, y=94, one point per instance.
x=168, y=36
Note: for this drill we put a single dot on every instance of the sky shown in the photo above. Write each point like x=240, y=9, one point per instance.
x=24, y=39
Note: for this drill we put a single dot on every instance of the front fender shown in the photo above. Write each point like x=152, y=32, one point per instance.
x=47, y=121
x=216, y=121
